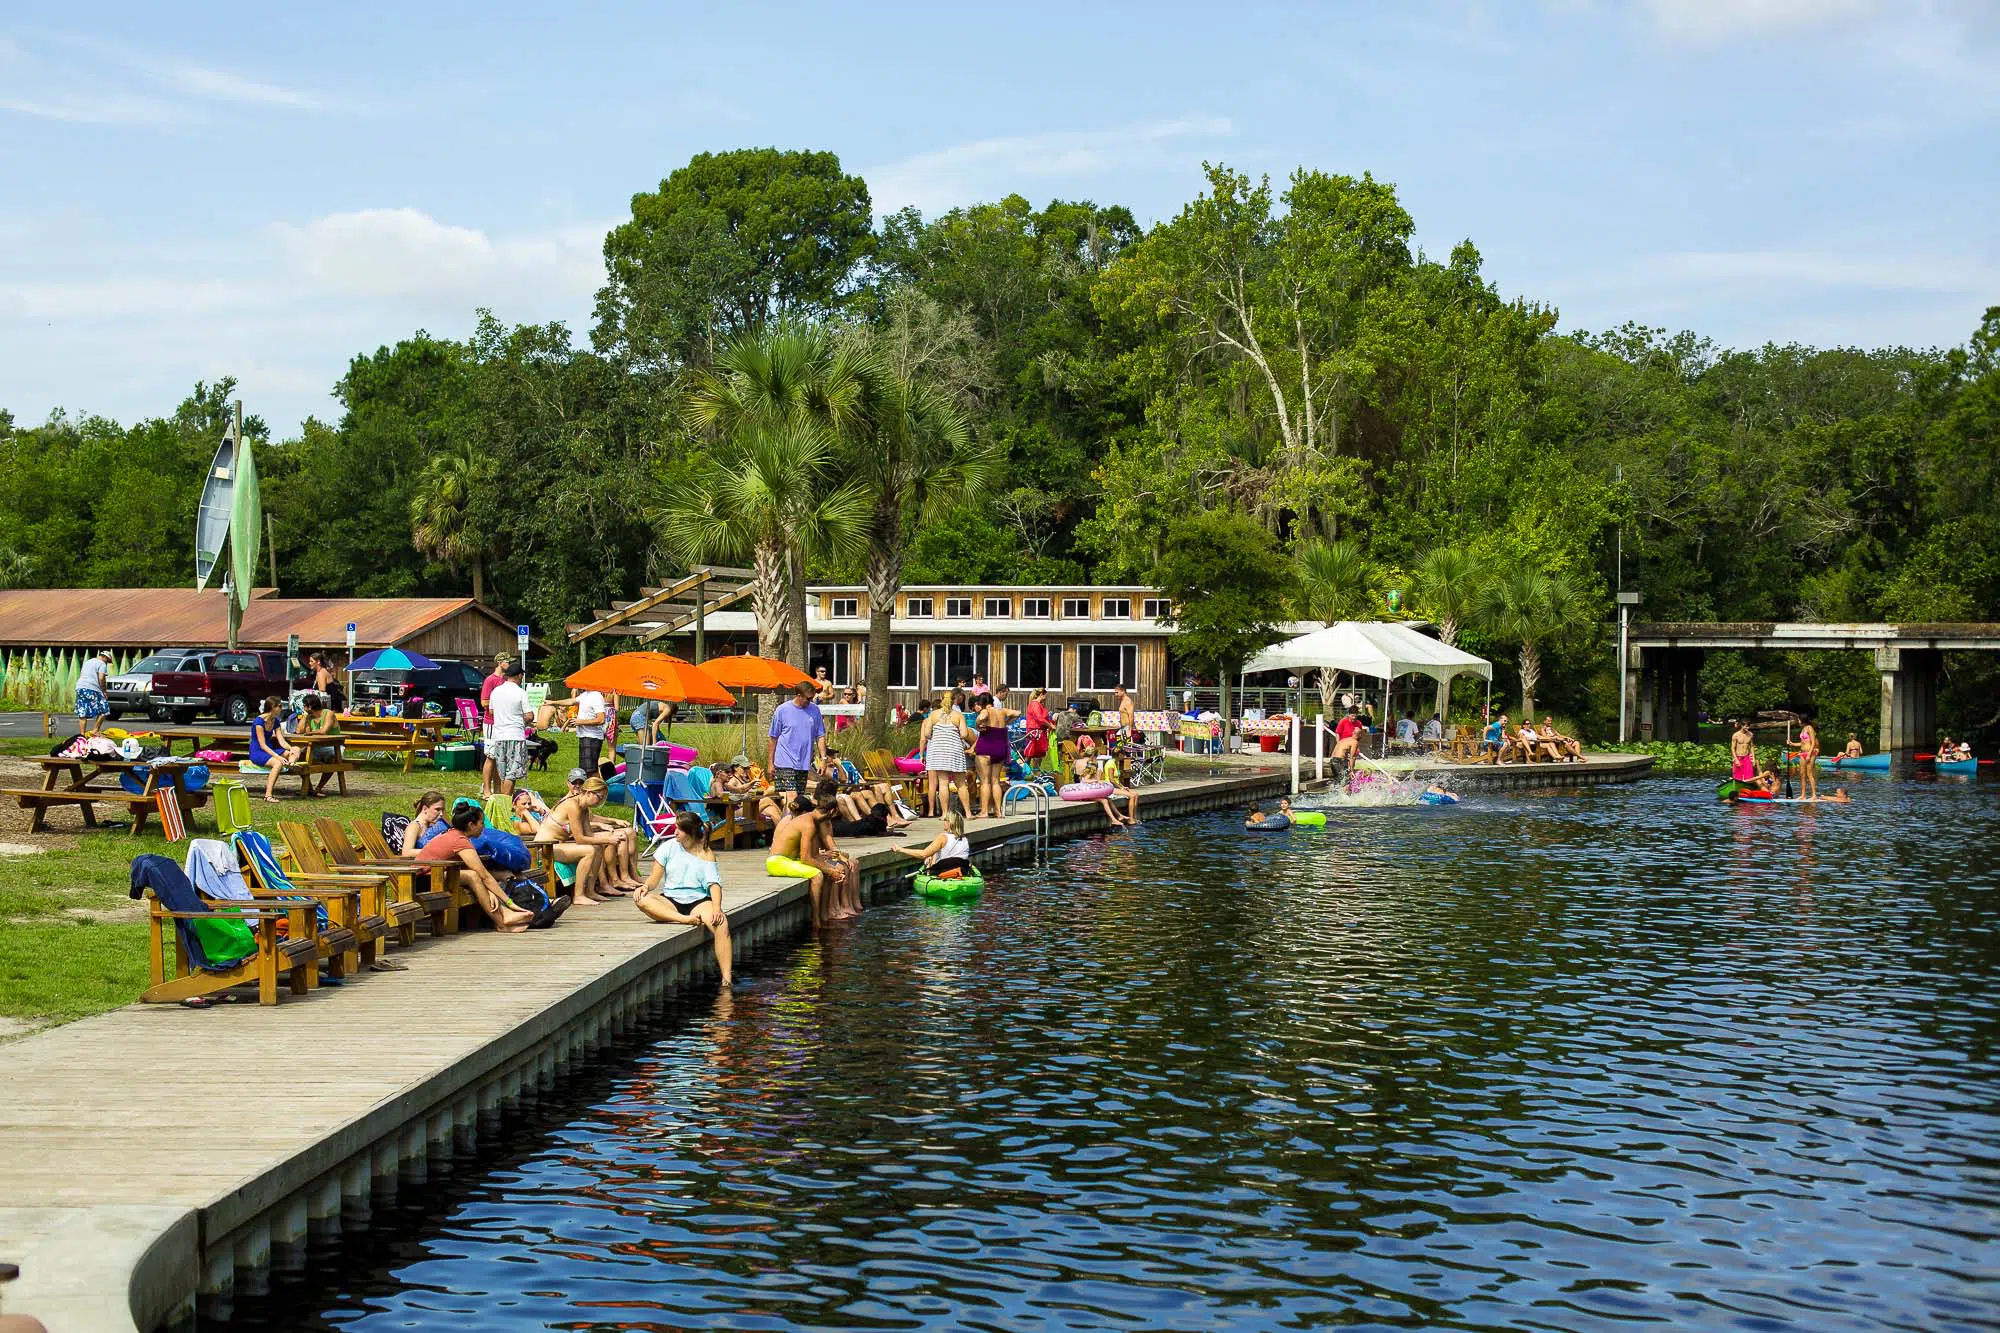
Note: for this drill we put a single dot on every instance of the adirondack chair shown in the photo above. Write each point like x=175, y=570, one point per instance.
x=880, y=766
x=182, y=970
x=427, y=886
x=348, y=939
x=398, y=904
x=457, y=896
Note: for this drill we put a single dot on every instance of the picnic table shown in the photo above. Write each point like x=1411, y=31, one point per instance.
x=392, y=735
x=236, y=740
x=80, y=792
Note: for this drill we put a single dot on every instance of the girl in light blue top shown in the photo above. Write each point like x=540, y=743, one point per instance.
x=684, y=887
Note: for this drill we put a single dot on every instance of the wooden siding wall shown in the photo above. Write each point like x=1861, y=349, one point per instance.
x=1151, y=690
x=466, y=636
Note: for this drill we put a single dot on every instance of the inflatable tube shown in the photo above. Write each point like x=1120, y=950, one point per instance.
x=1749, y=793
x=1086, y=791
x=1271, y=824
x=1437, y=798
x=950, y=890
x=1309, y=818
x=909, y=764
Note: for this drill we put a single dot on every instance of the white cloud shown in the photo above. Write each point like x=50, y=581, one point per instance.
x=1716, y=20
x=92, y=83
x=405, y=255
x=984, y=168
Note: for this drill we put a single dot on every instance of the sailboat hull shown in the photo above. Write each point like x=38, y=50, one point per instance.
x=218, y=499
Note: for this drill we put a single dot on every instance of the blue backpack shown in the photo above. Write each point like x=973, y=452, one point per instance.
x=501, y=850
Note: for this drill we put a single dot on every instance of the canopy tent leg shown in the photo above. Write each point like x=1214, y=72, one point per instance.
x=1319, y=749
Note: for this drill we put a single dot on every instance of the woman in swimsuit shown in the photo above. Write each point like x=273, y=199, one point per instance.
x=1808, y=762
x=567, y=829
x=269, y=746
x=684, y=887
x=943, y=741
x=949, y=850
x=992, y=751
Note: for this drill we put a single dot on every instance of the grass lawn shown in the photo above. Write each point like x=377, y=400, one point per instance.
x=72, y=942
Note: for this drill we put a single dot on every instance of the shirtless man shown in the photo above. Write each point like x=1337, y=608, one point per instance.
x=1742, y=753
x=1808, y=761
x=1839, y=797
x=793, y=843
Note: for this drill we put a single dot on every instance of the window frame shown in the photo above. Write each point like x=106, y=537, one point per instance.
x=853, y=611
x=837, y=659
x=941, y=672
x=898, y=654
x=1028, y=605
x=1157, y=608
x=1127, y=669
x=1069, y=611
x=1108, y=614
x=1052, y=656
x=1006, y=605
x=950, y=614
x=929, y=604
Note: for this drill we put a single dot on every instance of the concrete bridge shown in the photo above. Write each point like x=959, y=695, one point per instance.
x=1663, y=671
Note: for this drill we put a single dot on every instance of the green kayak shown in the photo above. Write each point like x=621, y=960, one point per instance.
x=950, y=890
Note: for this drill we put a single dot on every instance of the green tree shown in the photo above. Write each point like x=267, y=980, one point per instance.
x=727, y=243
x=1449, y=585
x=1532, y=609
x=441, y=511
x=1227, y=582
x=1337, y=581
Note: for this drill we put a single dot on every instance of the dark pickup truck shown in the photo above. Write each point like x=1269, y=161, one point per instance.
x=233, y=688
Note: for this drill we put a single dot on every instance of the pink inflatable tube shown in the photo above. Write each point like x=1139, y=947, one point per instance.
x=1085, y=791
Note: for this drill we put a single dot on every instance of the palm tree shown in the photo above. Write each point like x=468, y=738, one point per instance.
x=1337, y=582
x=1449, y=584
x=767, y=385
x=917, y=459
x=769, y=505
x=438, y=512
x=1530, y=608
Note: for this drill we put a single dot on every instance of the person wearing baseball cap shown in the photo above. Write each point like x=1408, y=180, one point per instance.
x=91, y=706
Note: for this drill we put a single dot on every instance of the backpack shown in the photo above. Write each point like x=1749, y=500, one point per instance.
x=526, y=893
x=501, y=850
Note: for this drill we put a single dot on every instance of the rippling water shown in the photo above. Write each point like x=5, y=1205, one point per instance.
x=1534, y=1062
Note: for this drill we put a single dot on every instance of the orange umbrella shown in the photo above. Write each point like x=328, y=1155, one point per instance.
x=651, y=676
x=754, y=673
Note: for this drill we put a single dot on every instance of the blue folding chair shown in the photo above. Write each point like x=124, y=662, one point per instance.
x=650, y=813
x=681, y=794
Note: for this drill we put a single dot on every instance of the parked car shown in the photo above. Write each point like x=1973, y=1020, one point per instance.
x=131, y=690
x=444, y=684
x=232, y=686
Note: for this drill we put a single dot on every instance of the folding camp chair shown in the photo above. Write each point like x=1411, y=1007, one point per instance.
x=651, y=814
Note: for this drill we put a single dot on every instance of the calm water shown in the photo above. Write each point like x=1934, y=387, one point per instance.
x=1536, y=1062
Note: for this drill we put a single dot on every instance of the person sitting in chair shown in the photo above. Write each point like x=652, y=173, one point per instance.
x=468, y=821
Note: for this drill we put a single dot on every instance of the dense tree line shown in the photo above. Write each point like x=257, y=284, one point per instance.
x=1007, y=393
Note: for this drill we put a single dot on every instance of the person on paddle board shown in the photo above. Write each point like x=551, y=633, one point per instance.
x=1808, y=761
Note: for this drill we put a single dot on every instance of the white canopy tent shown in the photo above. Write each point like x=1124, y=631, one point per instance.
x=1367, y=648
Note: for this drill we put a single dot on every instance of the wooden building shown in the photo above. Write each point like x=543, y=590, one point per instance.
x=147, y=618
x=1074, y=640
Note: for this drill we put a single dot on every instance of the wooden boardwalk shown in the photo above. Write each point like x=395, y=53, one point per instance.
x=154, y=1151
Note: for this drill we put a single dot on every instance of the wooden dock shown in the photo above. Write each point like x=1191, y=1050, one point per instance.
x=1595, y=770
x=155, y=1156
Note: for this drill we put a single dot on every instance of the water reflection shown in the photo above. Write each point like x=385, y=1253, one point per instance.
x=1539, y=1062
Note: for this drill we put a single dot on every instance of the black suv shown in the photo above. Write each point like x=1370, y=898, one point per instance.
x=444, y=684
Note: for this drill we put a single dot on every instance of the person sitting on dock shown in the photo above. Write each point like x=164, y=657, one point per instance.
x=792, y=844
x=684, y=887
x=843, y=872
x=468, y=821
x=1433, y=730
x=1493, y=743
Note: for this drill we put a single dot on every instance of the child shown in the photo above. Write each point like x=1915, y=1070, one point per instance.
x=1256, y=815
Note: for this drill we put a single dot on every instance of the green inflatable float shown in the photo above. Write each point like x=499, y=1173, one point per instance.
x=950, y=890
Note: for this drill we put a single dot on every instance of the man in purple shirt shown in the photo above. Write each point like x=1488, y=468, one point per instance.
x=798, y=740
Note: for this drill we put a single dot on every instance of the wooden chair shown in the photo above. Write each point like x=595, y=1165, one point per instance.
x=431, y=886
x=348, y=942
x=293, y=960
x=398, y=905
x=379, y=851
x=880, y=766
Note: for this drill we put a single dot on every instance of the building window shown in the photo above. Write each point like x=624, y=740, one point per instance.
x=1076, y=608
x=955, y=664
x=1158, y=608
x=845, y=608
x=832, y=656
x=918, y=608
x=1034, y=666
x=958, y=606
x=1106, y=666
x=1118, y=608
x=902, y=666
x=1035, y=608
x=999, y=608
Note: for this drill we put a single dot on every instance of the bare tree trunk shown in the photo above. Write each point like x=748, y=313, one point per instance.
x=1531, y=676
x=885, y=579
x=1448, y=636
x=774, y=613
x=796, y=594
x=478, y=580
x=1222, y=680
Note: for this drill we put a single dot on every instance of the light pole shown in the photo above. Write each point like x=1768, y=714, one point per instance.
x=1626, y=601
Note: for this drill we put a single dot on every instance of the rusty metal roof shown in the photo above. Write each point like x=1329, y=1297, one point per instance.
x=182, y=617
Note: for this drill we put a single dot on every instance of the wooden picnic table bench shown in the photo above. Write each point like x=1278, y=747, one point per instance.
x=407, y=736
x=80, y=793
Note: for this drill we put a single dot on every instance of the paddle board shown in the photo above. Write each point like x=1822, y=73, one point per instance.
x=218, y=498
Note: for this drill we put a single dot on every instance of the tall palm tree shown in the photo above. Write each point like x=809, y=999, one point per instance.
x=1531, y=608
x=1449, y=583
x=917, y=459
x=439, y=526
x=769, y=504
x=1336, y=582
x=763, y=385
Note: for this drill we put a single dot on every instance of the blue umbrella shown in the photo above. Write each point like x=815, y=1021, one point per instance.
x=391, y=659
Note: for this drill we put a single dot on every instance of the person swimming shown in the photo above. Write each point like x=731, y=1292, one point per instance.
x=1839, y=797
x=1256, y=816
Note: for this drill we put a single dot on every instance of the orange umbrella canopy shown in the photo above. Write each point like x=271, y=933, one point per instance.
x=754, y=673
x=651, y=676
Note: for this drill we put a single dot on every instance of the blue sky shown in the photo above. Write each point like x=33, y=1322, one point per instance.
x=264, y=191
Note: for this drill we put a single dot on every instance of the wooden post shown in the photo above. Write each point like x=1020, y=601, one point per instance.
x=1319, y=749
x=700, y=621
x=1295, y=754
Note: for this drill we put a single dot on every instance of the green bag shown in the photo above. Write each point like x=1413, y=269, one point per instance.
x=225, y=939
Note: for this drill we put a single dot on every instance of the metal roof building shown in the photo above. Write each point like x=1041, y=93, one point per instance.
x=138, y=618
